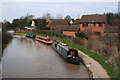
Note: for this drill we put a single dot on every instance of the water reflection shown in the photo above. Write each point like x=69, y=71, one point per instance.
x=27, y=58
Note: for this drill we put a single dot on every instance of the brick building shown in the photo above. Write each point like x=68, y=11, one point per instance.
x=54, y=23
x=95, y=23
x=69, y=30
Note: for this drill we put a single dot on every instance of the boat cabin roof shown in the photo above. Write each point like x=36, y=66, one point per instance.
x=65, y=47
x=41, y=37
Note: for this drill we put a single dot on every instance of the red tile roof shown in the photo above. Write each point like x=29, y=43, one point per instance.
x=69, y=28
x=93, y=18
x=59, y=22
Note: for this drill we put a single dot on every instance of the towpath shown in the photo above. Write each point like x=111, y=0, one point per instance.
x=96, y=69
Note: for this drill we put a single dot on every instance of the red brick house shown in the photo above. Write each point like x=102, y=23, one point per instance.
x=69, y=30
x=54, y=23
x=96, y=23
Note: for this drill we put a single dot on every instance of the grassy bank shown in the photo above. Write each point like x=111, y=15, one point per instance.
x=110, y=68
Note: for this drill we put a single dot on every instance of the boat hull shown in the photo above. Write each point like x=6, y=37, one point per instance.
x=43, y=39
x=43, y=42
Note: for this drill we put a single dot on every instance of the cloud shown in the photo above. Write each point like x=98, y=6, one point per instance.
x=11, y=10
x=59, y=0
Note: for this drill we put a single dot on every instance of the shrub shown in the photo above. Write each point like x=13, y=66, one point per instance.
x=80, y=34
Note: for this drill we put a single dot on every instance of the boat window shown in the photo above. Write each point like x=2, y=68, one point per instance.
x=42, y=38
x=73, y=53
x=55, y=45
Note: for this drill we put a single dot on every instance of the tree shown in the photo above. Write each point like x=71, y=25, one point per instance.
x=41, y=23
x=22, y=21
x=67, y=17
x=47, y=16
x=88, y=32
x=7, y=24
x=80, y=34
x=16, y=23
x=110, y=17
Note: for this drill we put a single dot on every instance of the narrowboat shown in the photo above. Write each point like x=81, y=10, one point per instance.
x=31, y=35
x=69, y=54
x=43, y=39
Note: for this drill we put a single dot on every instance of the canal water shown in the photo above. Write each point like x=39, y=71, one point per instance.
x=27, y=58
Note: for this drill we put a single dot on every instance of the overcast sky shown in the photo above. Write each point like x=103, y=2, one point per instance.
x=59, y=0
x=16, y=8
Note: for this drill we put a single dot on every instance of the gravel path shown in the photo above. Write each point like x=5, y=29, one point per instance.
x=93, y=66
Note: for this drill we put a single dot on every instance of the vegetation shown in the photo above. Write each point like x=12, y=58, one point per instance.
x=6, y=37
x=26, y=21
x=68, y=17
x=41, y=23
x=111, y=17
x=80, y=34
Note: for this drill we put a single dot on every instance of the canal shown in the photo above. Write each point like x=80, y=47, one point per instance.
x=27, y=58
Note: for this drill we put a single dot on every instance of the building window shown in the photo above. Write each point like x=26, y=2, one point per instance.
x=85, y=24
x=100, y=25
x=97, y=33
x=94, y=25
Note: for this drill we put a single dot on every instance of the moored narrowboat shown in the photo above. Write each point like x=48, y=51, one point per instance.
x=43, y=39
x=31, y=35
x=68, y=53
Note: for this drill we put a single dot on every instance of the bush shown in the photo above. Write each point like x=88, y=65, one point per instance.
x=80, y=34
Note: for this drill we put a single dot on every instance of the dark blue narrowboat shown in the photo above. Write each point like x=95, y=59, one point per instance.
x=68, y=53
x=31, y=36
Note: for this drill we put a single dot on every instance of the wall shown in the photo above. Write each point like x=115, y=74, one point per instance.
x=70, y=33
x=93, y=29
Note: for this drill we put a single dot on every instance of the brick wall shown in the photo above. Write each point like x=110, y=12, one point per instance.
x=70, y=33
x=97, y=28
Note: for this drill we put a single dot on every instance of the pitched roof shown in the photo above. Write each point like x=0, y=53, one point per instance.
x=59, y=22
x=69, y=28
x=76, y=22
x=93, y=18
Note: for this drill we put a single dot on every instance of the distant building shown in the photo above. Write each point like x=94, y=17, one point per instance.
x=119, y=7
x=96, y=23
x=69, y=30
x=33, y=23
x=54, y=23
x=32, y=27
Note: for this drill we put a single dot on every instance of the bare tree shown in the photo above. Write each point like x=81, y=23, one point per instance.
x=68, y=17
x=47, y=16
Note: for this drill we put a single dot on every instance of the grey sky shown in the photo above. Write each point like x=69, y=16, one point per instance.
x=59, y=0
x=11, y=10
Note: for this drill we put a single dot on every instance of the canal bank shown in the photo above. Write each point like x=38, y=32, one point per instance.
x=94, y=68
